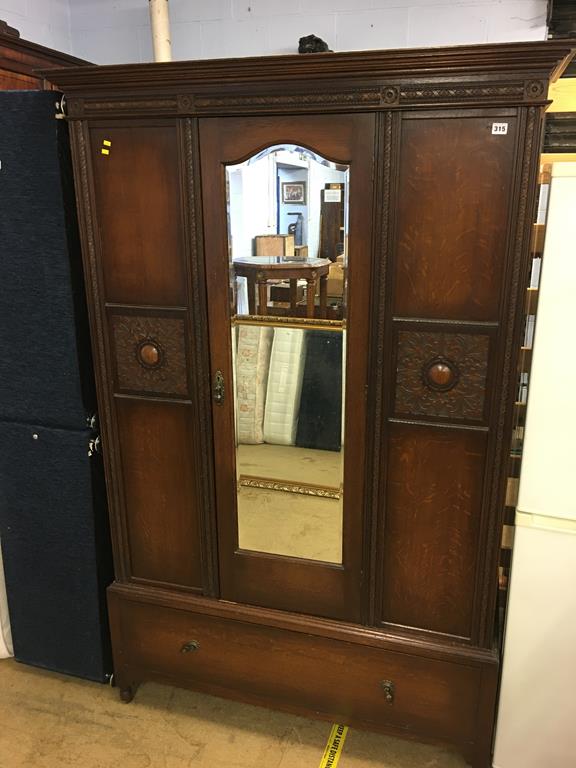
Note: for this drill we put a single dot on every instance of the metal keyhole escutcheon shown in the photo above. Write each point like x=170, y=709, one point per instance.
x=218, y=388
x=388, y=688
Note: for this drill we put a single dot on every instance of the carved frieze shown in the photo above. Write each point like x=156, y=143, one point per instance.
x=150, y=354
x=432, y=92
x=385, y=96
x=364, y=96
x=375, y=97
x=441, y=374
x=90, y=108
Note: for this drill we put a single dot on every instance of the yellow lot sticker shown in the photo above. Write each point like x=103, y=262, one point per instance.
x=333, y=750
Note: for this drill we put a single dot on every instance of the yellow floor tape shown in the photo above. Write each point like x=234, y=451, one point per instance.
x=333, y=750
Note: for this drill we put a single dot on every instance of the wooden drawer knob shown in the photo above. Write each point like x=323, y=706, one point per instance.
x=440, y=374
x=191, y=645
x=148, y=354
x=388, y=688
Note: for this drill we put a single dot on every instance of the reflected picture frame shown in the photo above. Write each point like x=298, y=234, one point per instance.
x=294, y=192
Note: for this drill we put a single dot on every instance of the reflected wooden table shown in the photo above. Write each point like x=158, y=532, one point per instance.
x=259, y=270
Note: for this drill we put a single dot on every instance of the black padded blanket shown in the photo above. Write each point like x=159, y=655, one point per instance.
x=45, y=366
x=320, y=419
x=56, y=549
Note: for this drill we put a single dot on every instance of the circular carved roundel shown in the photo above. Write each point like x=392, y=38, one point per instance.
x=390, y=94
x=534, y=89
x=440, y=374
x=149, y=353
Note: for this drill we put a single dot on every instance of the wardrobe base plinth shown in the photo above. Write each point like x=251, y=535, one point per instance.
x=423, y=697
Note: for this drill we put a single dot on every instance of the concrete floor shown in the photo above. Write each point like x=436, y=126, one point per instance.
x=52, y=721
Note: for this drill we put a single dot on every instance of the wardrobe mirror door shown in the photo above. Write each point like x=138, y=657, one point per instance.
x=287, y=213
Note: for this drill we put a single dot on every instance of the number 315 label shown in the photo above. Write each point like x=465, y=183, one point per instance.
x=500, y=128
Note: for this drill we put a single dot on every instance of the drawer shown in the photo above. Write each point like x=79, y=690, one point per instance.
x=293, y=670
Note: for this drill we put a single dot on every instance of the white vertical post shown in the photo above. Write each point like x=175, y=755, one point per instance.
x=5, y=633
x=160, y=24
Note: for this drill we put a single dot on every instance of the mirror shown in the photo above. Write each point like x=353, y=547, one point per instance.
x=288, y=243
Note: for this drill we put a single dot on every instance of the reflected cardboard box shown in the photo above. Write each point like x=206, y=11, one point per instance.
x=335, y=285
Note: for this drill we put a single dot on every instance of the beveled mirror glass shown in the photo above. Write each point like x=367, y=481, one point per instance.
x=288, y=252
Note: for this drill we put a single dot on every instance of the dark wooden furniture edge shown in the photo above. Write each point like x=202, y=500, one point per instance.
x=310, y=625
x=130, y=673
x=550, y=57
x=42, y=53
x=560, y=132
x=331, y=82
x=6, y=29
x=466, y=748
x=20, y=61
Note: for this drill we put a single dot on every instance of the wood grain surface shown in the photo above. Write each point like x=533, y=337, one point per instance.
x=156, y=441
x=453, y=209
x=433, y=505
x=138, y=199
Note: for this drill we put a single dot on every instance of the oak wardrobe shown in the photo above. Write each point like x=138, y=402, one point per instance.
x=305, y=278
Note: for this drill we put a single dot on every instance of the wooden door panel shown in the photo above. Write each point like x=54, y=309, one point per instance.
x=285, y=582
x=451, y=255
x=156, y=446
x=153, y=337
x=138, y=198
x=453, y=210
x=434, y=504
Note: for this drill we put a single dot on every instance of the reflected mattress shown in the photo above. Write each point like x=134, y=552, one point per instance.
x=252, y=365
x=284, y=386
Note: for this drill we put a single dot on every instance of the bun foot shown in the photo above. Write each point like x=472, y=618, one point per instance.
x=127, y=694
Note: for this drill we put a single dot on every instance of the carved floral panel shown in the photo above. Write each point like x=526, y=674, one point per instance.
x=441, y=374
x=150, y=354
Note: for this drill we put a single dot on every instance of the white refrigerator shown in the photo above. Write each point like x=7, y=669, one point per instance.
x=536, y=726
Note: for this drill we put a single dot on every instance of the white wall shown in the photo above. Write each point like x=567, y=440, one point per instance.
x=46, y=22
x=116, y=31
